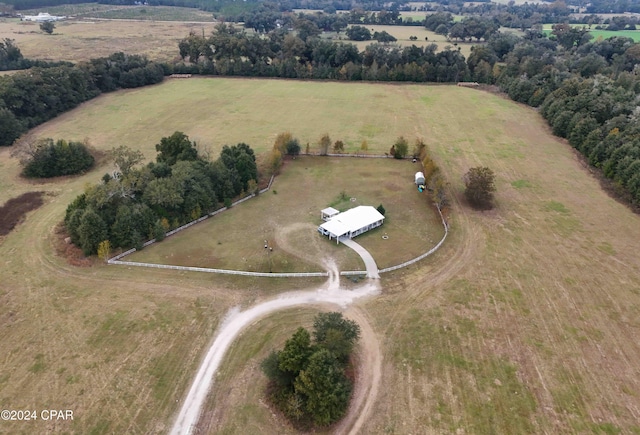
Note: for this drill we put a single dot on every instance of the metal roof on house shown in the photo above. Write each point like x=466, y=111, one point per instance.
x=330, y=211
x=352, y=220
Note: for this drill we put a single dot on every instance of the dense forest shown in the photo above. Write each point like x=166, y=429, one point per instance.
x=133, y=204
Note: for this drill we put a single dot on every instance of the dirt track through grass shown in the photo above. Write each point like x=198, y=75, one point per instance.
x=526, y=321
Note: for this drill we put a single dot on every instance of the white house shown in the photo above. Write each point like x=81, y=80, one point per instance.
x=42, y=17
x=351, y=223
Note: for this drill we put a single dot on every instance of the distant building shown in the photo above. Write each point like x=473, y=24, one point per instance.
x=42, y=17
x=351, y=223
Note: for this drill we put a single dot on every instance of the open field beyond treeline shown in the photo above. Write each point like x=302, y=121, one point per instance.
x=76, y=40
x=79, y=39
x=526, y=321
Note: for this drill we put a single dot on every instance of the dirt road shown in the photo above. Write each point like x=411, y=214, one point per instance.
x=237, y=320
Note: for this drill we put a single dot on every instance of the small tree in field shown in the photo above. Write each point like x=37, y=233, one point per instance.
x=293, y=147
x=324, y=143
x=480, y=185
x=47, y=27
x=401, y=148
x=104, y=250
x=338, y=147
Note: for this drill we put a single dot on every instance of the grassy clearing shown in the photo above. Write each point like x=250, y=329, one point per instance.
x=77, y=40
x=525, y=321
x=402, y=34
x=601, y=34
x=288, y=220
x=218, y=111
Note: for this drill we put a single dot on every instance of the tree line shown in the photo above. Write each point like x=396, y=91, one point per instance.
x=586, y=90
x=133, y=204
x=11, y=58
x=279, y=53
x=29, y=99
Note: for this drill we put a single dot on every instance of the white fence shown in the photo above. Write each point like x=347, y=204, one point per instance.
x=222, y=271
x=114, y=260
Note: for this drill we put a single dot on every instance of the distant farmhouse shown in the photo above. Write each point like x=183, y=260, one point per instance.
x=349, y=224
x=41, y=17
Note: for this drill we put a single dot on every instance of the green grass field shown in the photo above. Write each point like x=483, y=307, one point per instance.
x=601, y=34
x=81, y=39
x=526, y=321
x=219, y=111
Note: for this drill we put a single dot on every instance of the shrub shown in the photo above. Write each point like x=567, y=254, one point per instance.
x=480, y=185
x=49, y=159
x=400, y=148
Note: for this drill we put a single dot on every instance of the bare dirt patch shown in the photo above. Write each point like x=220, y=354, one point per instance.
x=67, y=250
x=14, y=210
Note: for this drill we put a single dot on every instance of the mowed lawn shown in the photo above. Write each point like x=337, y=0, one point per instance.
x=526, y=321
x=288, y=215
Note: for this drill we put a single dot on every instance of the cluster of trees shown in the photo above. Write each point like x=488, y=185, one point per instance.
x=433, y=178
x=476, y=27
x=29, y=99
x=282, y=54
x=285, y=144
x=608, y=6
x=34, y=4
x=48, y=27
x=44, y=158
x=307, y=380
x=11, y=58
x=133, y=203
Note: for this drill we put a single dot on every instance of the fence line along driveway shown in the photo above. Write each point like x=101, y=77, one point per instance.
x=426, y=254
x=221, y=271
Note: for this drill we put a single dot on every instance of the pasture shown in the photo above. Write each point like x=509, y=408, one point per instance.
x=76, y=40
x=601, y=34
x=288, y=215
x=403, y=33
x=526, y=321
